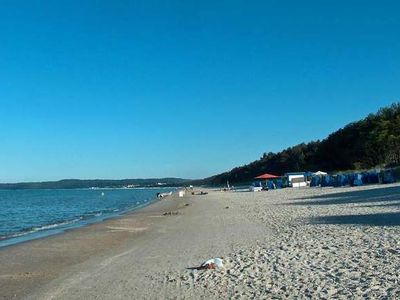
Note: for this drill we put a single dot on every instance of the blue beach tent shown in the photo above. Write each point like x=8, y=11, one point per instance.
x=341, y=180
x=357, y=180
x=364, y=178
x=279, y=183
x=270, y=185
x=351, y=177
x=371, y=177
x=388, y=176
x=315, y=181
x=327, y=180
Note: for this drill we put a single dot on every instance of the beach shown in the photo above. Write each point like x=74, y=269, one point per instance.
x=291, y=243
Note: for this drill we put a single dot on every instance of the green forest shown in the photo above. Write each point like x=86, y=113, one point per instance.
x=368, y=143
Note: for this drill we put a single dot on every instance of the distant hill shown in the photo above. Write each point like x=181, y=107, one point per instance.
x=368, y=143
x=98, y=183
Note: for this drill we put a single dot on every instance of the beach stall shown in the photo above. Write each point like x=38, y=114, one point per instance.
x=297, y=179
x=270, y=184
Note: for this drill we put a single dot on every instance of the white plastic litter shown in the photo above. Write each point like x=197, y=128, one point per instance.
x=217, y=262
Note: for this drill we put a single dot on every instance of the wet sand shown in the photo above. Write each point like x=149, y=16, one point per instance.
x=27, y=267
x=319, y=243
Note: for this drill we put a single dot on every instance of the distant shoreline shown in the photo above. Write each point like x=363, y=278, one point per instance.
x=102, y=188
x=98, y=183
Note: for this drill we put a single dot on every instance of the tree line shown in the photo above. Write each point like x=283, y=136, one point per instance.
x=368, y=143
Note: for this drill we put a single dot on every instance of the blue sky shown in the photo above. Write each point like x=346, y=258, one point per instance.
x=126, y=89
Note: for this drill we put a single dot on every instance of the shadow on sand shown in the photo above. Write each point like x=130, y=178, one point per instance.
x=381, y=219
x=380, y=197
x=385, y=194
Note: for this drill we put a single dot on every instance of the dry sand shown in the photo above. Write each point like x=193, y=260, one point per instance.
x=291, y=243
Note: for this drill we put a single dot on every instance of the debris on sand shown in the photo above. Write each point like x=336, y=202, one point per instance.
x=214, y=263
x=171, y=213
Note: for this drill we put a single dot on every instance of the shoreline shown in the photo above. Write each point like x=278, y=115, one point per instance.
x=317, y=243
x=33, y=260
x=66, y=225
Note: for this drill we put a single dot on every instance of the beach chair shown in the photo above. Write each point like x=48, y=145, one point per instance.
x=326, y=181
x=315, y=181
x=388, y=176
x=357, y=181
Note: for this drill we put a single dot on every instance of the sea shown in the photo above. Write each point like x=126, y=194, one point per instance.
x=36, y=213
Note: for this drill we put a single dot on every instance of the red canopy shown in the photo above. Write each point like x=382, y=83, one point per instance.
x=267, y=176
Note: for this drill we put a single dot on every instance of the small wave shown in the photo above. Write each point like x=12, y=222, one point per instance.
x=84, y=219
x=39, y=228
x=14, y=235
x=56, y=225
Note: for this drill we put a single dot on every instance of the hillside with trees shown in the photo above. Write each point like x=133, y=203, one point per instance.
x=368, y=143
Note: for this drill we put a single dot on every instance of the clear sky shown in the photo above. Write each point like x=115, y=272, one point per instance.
x=126, y=89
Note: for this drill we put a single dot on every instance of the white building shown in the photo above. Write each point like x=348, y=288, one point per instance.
x=296, y=179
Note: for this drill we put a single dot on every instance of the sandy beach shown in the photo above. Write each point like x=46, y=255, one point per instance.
x=290, y=243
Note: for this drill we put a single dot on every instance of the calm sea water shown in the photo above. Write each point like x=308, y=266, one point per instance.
x=29, y=214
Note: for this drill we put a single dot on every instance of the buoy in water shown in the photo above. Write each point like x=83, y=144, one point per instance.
x=102, y=193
